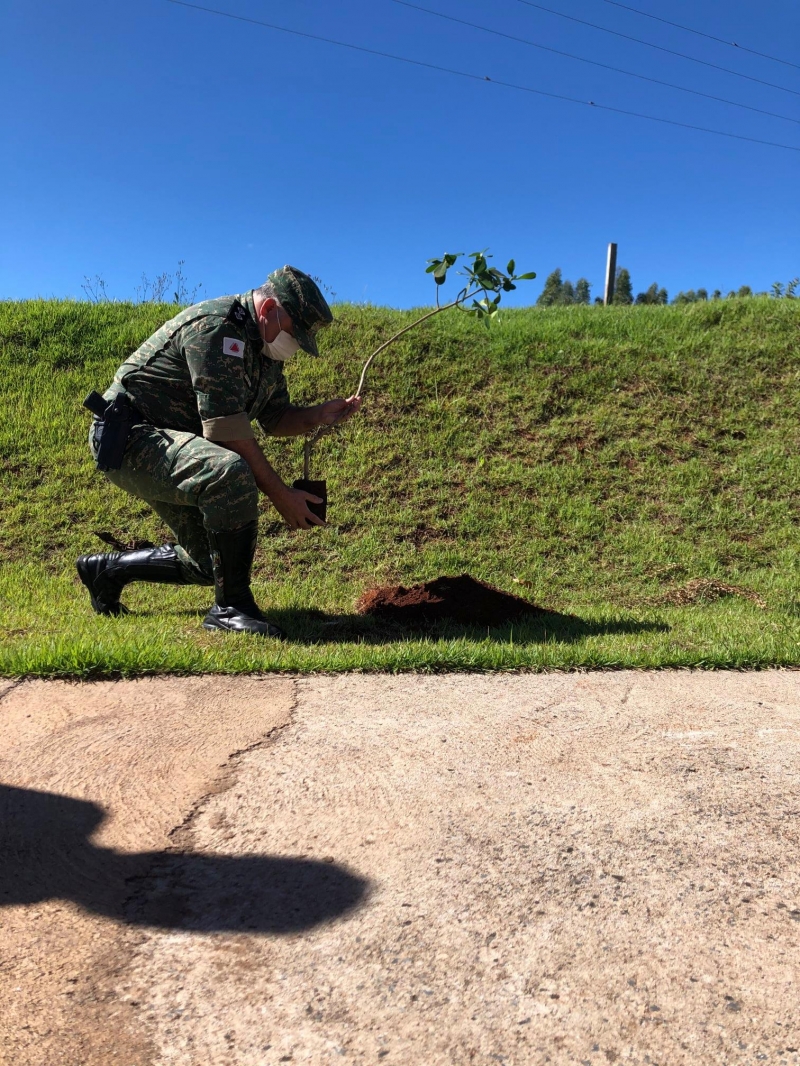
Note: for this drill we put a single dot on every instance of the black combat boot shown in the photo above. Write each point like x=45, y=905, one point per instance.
x=107, y=574
x=235, y=609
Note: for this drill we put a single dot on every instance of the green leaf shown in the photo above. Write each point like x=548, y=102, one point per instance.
x=434, y=263
x=510, y=267
x=526, y=277
x=440, y=273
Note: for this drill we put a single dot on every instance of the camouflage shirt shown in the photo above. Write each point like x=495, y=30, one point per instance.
x=204, y=372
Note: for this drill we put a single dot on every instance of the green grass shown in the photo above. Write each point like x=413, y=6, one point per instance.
x=602, y=457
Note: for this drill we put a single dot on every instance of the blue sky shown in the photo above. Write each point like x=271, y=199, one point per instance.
x=136, y=135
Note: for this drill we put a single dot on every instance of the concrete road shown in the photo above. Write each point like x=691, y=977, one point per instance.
x=566, y=868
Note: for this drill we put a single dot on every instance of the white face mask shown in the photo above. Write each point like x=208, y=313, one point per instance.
x=283, y=347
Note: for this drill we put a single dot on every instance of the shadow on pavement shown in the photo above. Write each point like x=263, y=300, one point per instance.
x=45, y=853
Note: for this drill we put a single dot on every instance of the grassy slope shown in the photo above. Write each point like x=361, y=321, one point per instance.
x=604, y=456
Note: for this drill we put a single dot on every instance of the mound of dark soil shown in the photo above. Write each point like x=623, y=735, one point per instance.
x=459, y=599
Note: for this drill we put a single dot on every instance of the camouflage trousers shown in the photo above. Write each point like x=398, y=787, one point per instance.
x=192, y=484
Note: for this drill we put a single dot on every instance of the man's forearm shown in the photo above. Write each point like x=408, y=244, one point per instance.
x=295, y=421
x=290, y=503
x=267, y=480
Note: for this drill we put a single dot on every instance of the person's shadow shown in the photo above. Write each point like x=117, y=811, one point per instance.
x=46, y=853
x=312, y=626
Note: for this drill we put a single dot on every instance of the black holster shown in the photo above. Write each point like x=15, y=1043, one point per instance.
x=114, y=423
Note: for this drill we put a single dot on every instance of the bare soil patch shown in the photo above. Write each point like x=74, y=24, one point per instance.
x=708, y=590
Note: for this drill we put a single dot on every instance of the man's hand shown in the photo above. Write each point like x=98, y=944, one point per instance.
x=292, y=505
x=334, y=412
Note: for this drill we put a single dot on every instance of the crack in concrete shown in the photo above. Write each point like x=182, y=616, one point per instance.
x=182, y=835
x=181, y=839
x=12, y=686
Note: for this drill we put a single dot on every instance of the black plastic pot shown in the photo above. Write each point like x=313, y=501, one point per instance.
x=316, y=488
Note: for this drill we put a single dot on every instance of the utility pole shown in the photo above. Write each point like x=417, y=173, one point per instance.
x=611, y=274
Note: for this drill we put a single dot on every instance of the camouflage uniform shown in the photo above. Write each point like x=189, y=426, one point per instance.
x=201, y=379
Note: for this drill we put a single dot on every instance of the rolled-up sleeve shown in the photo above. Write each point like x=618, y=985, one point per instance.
x=229, y=427
x=214, y=353
x=275, y=406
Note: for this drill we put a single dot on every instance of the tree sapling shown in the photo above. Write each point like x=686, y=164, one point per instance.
x=484, y=286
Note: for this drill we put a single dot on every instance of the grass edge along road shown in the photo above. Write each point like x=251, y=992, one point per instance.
x=634, y=469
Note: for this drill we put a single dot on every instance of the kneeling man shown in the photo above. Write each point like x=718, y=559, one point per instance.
x=189, y=394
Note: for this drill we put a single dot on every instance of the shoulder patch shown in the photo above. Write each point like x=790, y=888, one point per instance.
x=237, y=313
x=233, y=346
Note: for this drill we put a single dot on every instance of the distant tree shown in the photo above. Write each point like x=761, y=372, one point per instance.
x=731, y=295
x=653, y=295
x=692, y=297
x=559, y=290
x=623, y=289
x=598, y=301
x=716, y=295
x=791, y=289
x=744, y=290
x=551, y=293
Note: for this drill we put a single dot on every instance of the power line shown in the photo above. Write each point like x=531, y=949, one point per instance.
x=593, y=62
x=660, y=48
x=479, y=77
x=709, y=36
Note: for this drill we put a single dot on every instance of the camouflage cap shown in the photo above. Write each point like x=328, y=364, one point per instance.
x=301, y=299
